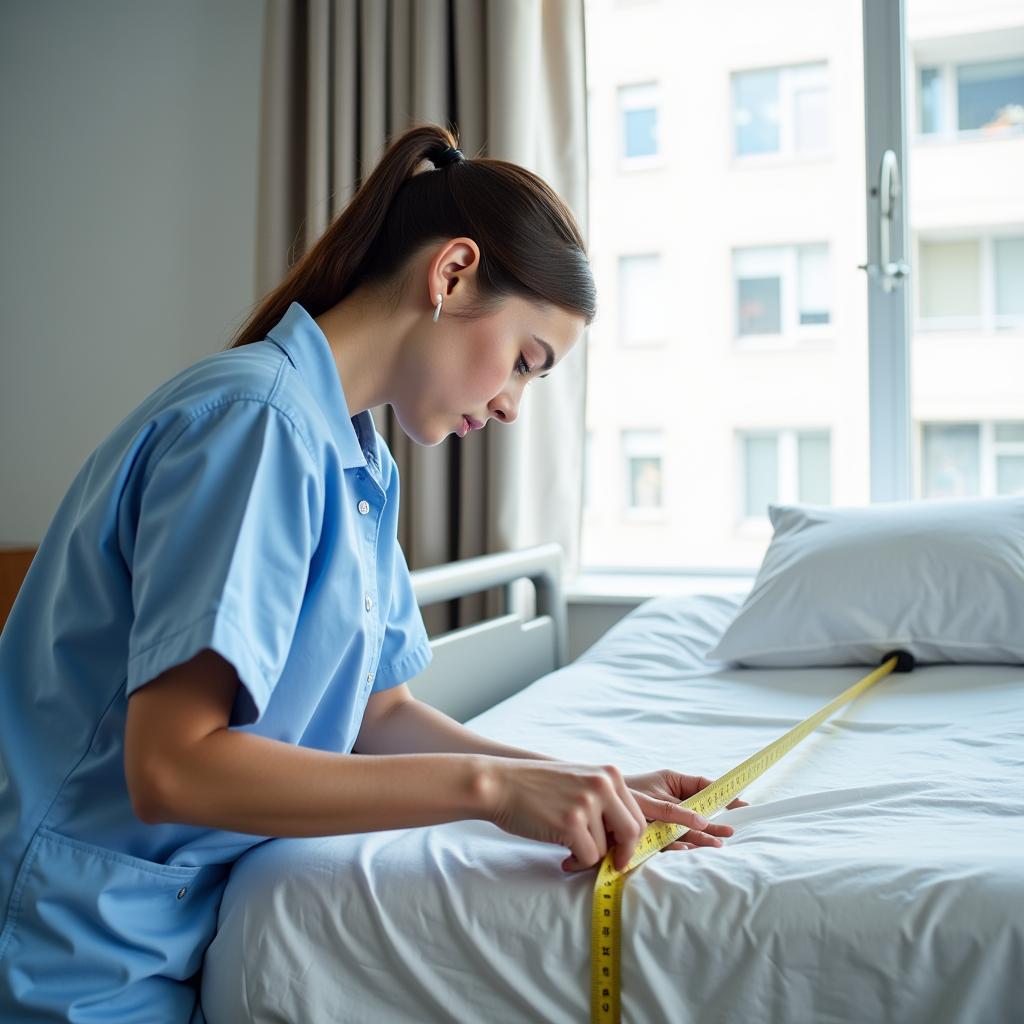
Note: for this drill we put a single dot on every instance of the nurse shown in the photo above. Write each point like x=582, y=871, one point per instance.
x=219, y=620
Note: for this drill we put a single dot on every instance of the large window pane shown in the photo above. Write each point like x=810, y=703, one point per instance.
x=951, y=460
x=965, y=215
x=811, y=119
x=761, y=474
x=759, y=309
x=641, y=299
x=815, y=468
x=756, y=204
x=756, y=112
x=930, y=101
x=1010, y=474
x=643, y=453
x=638, y=106
x=1009, y=433
x=991, y=95
x=950, y=279
x=1009, y=269
x=814, y=288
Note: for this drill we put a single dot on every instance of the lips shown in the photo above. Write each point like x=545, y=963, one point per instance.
x=474, y=424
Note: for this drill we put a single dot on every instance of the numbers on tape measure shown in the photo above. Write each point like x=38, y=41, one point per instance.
x=604, y=1002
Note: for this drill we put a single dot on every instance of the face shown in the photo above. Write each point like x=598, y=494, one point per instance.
x=478, y=368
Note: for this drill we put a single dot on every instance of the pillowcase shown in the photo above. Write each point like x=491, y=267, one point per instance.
x=940, y=578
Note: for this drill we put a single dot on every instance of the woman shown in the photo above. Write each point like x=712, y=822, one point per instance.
x=219, y=619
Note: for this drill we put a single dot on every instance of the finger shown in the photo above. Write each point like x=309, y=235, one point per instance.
x=738, y=803
x=698, y=838
x=693, y=784
x=715, y=829
x=583, y=844
x=677, y=845
x=629, y=798
x=625, y=825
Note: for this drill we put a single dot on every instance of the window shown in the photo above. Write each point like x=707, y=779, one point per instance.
x=641, y=299
x=766, y=317
x=950, y=280
x=814, y=468
x=781, y=289
x=971, y=283
x=638, y=112
x=781, y=110
x=784, y=466
x=643, y=451
x=990, y=95
x=1009, y=277
x=985, y=97
x=760, y=474
x=967, y=460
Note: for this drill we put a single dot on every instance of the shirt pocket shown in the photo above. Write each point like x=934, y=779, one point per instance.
x=92, y=927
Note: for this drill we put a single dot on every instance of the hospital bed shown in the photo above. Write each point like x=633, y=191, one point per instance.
x=876, y=875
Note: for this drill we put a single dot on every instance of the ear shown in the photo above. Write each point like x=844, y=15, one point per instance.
x=454, y=262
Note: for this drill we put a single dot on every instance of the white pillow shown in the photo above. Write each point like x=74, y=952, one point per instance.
x=942, y=579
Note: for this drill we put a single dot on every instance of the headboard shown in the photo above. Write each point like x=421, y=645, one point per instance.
x=477, y=666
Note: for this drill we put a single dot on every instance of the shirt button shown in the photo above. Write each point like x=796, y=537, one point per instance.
x=369, y=678
x=369, y=603
x=364, y=507
x=181, y=893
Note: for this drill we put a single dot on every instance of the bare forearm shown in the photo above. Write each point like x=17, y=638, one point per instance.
x=413, y=727
x=244, y=783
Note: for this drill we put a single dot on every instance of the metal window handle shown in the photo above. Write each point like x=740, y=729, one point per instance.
x=888, y=191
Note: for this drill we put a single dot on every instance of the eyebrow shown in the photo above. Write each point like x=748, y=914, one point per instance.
x=550, y=361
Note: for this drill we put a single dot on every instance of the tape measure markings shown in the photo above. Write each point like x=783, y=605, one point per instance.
x=606, y=912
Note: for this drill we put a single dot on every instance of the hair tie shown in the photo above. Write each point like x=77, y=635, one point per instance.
x=449, y=156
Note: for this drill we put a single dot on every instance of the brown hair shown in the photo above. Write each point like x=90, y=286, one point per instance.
x=529, y=242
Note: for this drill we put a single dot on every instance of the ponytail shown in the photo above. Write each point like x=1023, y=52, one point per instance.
x=529, y=242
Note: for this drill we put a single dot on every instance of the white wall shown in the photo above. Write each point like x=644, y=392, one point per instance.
x=128, y=161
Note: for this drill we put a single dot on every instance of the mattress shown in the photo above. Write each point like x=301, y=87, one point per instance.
x=877, y=875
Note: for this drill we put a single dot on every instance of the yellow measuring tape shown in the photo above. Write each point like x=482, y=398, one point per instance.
x=607, y=906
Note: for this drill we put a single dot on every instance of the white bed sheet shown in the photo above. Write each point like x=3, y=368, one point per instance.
x=878, y=874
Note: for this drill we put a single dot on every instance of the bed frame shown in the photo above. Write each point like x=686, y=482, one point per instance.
x=477, y=666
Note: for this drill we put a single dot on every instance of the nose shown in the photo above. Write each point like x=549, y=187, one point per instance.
x=504, y=408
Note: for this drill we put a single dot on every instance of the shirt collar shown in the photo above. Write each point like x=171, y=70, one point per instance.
x=307, y=348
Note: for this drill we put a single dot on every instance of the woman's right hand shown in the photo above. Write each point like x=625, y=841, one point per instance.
x=587, y=808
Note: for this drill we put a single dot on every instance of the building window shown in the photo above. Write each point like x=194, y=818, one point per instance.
x=781, y=110
x=1008, y=450
x=782, y=289
x=638, y=113
x=641, y=300
x=985, y=96
x=760, y=474
x=784, y=466
x=990, y=95
x=643, y=451
x=971, y=283
x=814, y=468
x=966, y=460
x=1009, y=277
x=950, y=279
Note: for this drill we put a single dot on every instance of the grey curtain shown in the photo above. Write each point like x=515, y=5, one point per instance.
x=340, y=78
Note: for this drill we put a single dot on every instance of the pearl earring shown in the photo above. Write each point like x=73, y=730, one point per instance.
x=437, y=308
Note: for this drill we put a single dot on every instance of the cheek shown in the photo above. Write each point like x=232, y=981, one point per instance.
x=486, y=368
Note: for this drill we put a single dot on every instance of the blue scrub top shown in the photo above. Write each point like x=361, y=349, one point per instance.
x=238, y=508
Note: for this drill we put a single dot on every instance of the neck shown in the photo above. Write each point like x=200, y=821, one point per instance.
x=365, y=341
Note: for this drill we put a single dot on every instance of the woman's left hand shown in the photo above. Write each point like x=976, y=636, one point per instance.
x=659, y=794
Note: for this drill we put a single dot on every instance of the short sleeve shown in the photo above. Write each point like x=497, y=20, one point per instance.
x=228, y=521
x=406, y=648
